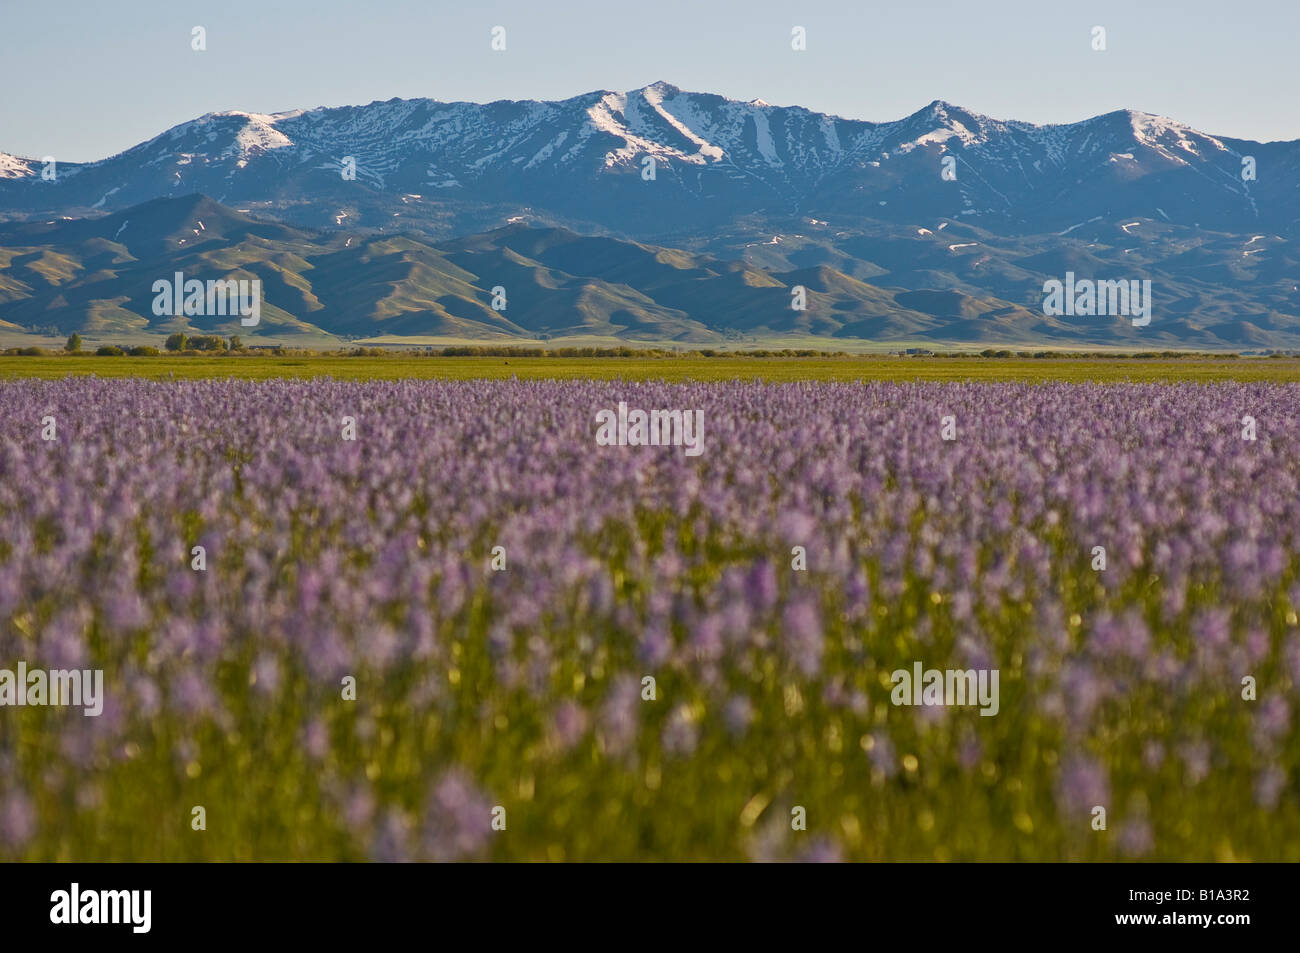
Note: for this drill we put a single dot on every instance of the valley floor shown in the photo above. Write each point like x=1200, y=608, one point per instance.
x=670, y=368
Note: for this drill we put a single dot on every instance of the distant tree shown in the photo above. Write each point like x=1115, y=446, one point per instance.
x=110, y=350
x=175, y=342
x=235, y=343
x=206, y=342
x=74, y=343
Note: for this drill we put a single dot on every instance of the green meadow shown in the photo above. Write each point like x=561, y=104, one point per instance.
x=668, y=367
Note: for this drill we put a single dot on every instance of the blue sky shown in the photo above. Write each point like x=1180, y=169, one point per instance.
x=84, y=80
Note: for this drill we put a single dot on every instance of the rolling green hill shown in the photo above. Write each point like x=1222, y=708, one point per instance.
x=95, y=276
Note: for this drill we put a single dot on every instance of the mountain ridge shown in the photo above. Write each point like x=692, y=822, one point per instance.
x=455, y=167
x=660, y=85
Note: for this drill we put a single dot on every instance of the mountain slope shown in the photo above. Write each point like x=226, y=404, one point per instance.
x=96, y=276
x=954, y=283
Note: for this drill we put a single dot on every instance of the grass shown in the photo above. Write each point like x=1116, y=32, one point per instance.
x=777, y=369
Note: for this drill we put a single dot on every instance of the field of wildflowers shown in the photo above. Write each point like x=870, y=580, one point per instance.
x=436, y=621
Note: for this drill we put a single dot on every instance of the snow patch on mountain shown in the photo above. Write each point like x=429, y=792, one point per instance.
x=12, y=167
x=685, y=117
x=257, y=135
x=545, y=151
x=763, y=132
x=1164, y=136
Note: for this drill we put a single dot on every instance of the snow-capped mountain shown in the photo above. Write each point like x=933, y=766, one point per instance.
x=453, y=168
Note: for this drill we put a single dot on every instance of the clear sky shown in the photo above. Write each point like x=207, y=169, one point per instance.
x=84, y=79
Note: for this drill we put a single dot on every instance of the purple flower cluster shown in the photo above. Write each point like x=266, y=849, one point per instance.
x=372, y=559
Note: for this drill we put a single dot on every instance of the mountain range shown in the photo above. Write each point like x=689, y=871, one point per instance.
x=659, y=214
